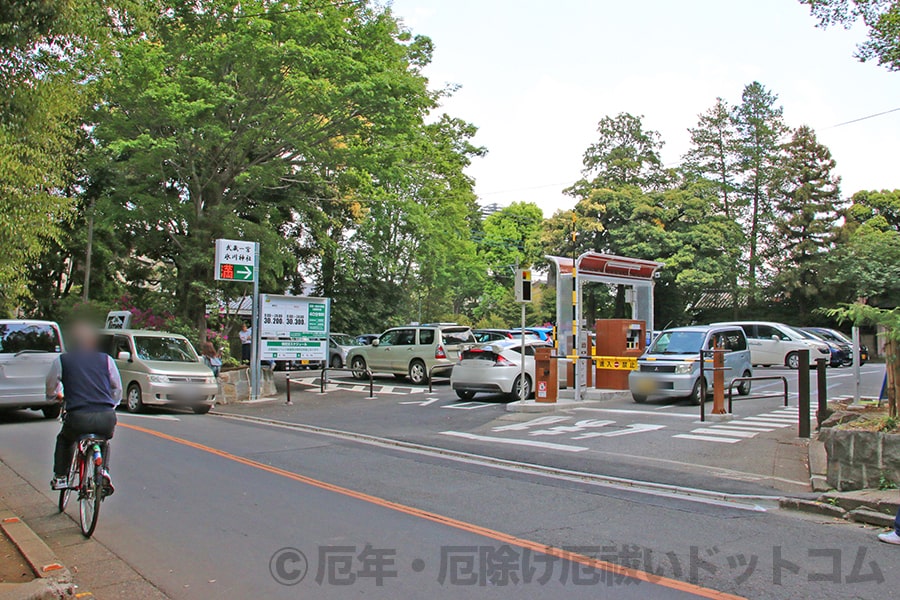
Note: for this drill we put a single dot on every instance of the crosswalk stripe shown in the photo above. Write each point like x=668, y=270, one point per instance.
x=766, y=422
x=744, y=427
x=731, y=432
x=706, y=438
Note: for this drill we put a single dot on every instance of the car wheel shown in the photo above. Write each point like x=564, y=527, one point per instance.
x=418, y=373
x=792, y=361
x=465, y=394
x=52, y=411
x=516, y=393
x=638, y=398
x=358, y=364
x=743, y=389
x=203, y=409
x=697, y=392
x=336, y=362
x=133, y=400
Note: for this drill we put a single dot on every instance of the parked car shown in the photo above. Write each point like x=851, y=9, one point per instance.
x=844, y=342
x=27, y=351
x=495, y=368
x=339, y=345
x=411, y=351
x=483, y=336
x=671, y=365
x=160, y=368
x=544, y=333
x=778, y=344
x=365, y=339
x=838, y=354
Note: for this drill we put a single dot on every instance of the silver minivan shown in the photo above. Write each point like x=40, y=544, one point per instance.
x=777, y=344
x=160, y=368
x=27, y=350
x=671, y=365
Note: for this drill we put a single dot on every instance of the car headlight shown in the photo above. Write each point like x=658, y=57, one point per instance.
x=210, y=380
x=159, y=378
x=684, y=369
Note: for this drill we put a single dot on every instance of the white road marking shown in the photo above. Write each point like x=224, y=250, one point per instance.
x=629, y=429
x=578, y=427
x=766, y=422
x=539, y=421
x=515, y=442
x=706, y=438
x=742, y=427
x=421, y=402
x=157, y=417
x=468, y=405
x=623, y=411
x=732, y=432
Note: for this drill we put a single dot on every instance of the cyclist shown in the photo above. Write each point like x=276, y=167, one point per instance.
x=90, y=381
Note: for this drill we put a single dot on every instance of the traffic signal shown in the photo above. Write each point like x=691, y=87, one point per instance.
x=523, y=285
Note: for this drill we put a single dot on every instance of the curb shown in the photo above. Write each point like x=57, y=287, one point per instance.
x=52, y=579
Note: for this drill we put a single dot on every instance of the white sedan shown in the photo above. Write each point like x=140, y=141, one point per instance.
x=495, y=368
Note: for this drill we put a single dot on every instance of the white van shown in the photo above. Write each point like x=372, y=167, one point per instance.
x=27, y=349
x=778, y=344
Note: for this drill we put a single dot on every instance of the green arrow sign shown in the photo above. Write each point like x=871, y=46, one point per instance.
x=243, y=273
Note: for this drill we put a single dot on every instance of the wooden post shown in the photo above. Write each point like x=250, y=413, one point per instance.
x=718, y=381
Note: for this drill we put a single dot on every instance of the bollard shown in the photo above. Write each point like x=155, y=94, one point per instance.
x=822, y=389
x=702, y=386
x=803, y=390
x=288, y=391
x=718, y=381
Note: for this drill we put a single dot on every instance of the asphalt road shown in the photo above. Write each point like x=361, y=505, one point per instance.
x=204, y=503
x=661, y=441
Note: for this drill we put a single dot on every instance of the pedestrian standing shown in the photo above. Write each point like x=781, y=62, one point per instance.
x=246, y=335
x=211, y=358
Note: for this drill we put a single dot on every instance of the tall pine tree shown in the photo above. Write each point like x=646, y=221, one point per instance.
x=807, y=213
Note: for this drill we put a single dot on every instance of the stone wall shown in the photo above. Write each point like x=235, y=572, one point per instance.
x=234, y=385
x=860, y=459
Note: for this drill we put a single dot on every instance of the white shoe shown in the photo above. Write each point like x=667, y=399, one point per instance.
x=890, y=537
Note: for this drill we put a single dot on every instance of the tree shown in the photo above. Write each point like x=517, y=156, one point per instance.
x=760, y=127
x=881, y=18
x=712, y=154
x=807, y=212
x=624, y=154
x=227, y=117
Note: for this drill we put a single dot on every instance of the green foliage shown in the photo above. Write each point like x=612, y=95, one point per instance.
x=880, y=17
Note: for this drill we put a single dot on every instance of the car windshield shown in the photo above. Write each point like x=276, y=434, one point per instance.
x=678, y=342
x=24, y=337
x=835, y=336
x=343, y=340
x=803, y=334
x=170, y=349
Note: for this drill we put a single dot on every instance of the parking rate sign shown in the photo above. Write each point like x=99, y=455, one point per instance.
x=235, y=261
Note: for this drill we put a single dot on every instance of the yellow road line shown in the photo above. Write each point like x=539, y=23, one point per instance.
x=455, y=523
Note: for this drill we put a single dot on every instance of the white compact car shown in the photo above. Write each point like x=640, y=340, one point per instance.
x=777, y=344
x=495, y=368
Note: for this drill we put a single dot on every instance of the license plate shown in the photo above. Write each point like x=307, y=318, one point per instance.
x=646, y=386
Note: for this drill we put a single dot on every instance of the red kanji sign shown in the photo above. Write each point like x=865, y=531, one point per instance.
x=226, y=271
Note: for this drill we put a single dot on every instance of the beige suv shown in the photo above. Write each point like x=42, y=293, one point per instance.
x=411, y=351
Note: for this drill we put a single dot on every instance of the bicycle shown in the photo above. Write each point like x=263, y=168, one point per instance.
x=86, y=478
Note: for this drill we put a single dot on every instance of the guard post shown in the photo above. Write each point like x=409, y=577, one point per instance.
x=546, y=375
x=822, y=391
x=803, y=390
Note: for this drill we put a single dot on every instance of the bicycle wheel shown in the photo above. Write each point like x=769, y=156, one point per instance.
x=89, y=499
x=72, y=483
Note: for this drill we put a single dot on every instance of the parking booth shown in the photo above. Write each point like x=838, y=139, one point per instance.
x=546, y=388
x=619, y=344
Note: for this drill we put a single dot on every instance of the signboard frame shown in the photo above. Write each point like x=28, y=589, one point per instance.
x=285, y=331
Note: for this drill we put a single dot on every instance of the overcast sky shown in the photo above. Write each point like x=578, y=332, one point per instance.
x=537, y=76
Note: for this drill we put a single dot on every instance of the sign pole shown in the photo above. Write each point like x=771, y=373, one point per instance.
x=522, y=396
x=255, y=371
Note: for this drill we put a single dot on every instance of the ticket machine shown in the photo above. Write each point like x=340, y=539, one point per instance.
x=619, y=344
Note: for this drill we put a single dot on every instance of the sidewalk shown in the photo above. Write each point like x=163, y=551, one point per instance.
x=66, y=565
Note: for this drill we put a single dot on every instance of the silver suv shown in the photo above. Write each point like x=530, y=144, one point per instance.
x=27, y=349
x=411, y=351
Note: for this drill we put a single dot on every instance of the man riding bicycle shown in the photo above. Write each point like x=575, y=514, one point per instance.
x=90, y=381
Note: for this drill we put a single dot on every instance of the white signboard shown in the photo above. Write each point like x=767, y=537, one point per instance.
x=235, y=260
x=294, y=327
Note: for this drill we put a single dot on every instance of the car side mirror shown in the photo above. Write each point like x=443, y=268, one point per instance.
x=375, y=342
x=126, y=356
x=776, y=337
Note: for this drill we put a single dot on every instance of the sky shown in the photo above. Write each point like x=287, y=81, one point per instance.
x=537, y=76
